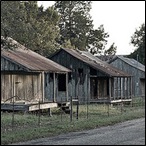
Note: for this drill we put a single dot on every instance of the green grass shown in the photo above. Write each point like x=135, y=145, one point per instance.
x=26, y=126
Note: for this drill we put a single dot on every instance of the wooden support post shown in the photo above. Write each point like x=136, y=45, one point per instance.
x=49, y=112
x=117, y=87
x=71, y=109
x=77, y=107
x=66, y=86
x=88, y=85
x=131, y=87
x=61, y=109
x=43, y=86
x=126, y=94
x=127, y=80
x=131, y=90
x=110, y=89
x=124, y=87
x=108, y=108
x=121, y=107
x=40, y=87
x=87, y=106
x=54, y=86
x=39, y=114
x=13, y=114
x=121, y=87
x=14, y=89
x=114, y=89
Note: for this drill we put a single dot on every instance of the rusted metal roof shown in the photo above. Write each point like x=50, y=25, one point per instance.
x=30, y=60
x=96, y=63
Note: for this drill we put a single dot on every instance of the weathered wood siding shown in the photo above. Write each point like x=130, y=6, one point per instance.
x=26, y=86
x=7, y=65
x=31, y=84
x=137, y=74
x=82, y=79
x=51, y=88
x=48, y=87
x=16, y=81
x=30, y=87
x=142, y=84
x=122, y=88
x=78, y=84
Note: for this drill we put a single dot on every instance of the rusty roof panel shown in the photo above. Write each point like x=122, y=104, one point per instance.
x=31, y=60
x=96, y=63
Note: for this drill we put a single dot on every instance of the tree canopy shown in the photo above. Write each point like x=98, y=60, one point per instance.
x=30, y=25
x=138, y=40
x=65, y=24
x=76, y=26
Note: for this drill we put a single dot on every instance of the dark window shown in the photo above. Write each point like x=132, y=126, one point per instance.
x=108, y=87
x=51, y=75
x=62, y=82
x=80, y=72
x=69, y=76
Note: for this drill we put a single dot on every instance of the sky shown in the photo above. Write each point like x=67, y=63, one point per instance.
x=119, y=18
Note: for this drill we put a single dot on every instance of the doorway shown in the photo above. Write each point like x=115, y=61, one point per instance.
x=93, y=88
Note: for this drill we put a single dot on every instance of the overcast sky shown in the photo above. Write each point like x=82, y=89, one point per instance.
x=120, y=20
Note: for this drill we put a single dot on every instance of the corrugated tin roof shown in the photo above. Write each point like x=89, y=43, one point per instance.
x=132, y=62
x=30, y=60
x=96, y=63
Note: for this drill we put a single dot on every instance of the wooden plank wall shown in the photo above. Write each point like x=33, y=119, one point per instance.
x=136, y=73
x=76, y=86
x=29, y=87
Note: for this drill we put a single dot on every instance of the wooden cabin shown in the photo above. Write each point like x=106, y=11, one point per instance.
x=92, y=79
x=31, y=77
x=136, y=69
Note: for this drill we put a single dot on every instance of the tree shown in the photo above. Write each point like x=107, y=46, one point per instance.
x=97, y=40
x=48, y=31
x=11, y=17
x=111, y=51
x=76, y=26
x=75, y=22
x=30, y=25
x=138, y=40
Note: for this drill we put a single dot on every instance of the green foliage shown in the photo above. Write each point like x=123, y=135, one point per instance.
x=67, y=24
x=97, y=40
x=75, y=22
x=30, y=25
x=76, y=26
x=138, y=40
x=11, y=17
x=111, y=51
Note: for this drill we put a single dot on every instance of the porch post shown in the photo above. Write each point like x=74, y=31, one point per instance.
x=131, y=90
x=127, y=80
x=43, y=87
x=121, y=87
x=118, y=88
x=114, y=88
x=14, y=89
x=124, y=87
x=110, y=88
x=67, y=86
x=54, y=87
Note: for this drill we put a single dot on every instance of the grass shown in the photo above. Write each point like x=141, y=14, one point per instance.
x=31, y=126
